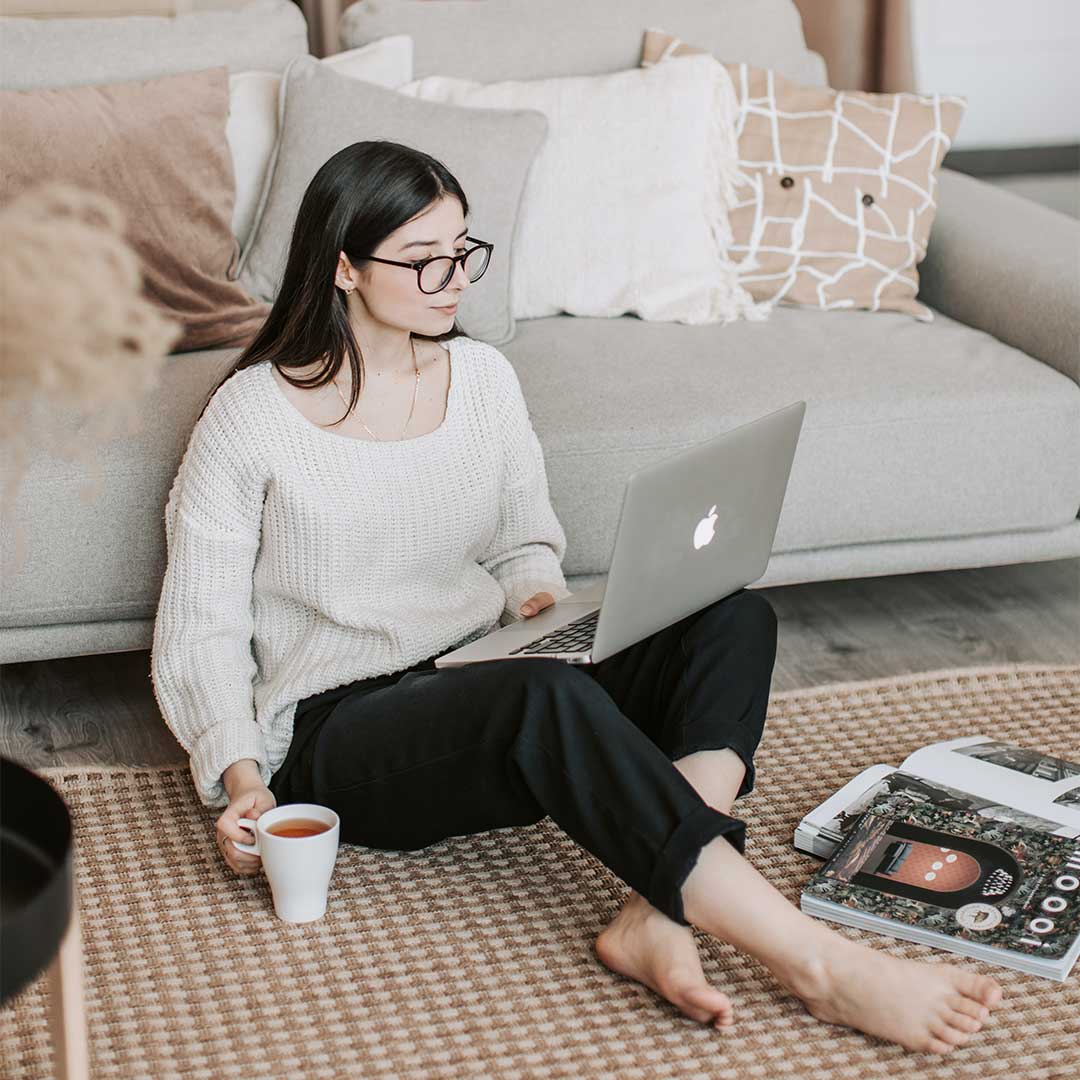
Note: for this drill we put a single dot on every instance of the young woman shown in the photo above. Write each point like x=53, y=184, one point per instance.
x=363, y=492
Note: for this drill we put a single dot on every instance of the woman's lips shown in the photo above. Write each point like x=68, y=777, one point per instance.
x=449, y=308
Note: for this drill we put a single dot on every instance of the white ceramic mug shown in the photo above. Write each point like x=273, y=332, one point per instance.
x=297, y=867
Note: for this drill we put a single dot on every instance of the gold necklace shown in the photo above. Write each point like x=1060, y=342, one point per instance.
x=416, y=389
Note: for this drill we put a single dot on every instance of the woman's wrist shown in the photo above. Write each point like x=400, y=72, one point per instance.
x=242, y=773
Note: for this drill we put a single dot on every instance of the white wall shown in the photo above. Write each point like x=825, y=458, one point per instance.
x=1016, y=61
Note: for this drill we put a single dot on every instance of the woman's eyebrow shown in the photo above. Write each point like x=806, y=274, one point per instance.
x=428, y=243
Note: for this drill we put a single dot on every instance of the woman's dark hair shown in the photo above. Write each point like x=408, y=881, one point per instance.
x=356, y=199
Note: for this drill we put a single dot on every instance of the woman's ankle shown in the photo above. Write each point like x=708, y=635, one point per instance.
x=823, y=961
x=725, y=896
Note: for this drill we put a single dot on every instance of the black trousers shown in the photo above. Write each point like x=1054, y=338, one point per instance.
x=411, y=758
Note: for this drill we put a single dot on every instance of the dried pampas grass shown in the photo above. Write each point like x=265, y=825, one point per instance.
x=75, y=330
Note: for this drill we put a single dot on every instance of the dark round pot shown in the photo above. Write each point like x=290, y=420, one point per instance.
x=36, y=875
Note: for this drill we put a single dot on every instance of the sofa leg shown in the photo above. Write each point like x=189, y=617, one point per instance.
x=67, y=1005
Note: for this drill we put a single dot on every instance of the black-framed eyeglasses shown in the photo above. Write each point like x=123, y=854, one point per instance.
x=433, y=274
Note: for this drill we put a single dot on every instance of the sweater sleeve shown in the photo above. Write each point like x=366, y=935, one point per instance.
x=202, y=665
x=525, y=555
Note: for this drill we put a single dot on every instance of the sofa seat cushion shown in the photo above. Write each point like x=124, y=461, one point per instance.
x=912, y=430
x=92, y=510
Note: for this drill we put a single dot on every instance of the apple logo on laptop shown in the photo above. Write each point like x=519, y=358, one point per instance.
x=705, y=530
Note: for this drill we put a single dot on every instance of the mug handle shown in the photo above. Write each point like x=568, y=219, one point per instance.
x=250, y=849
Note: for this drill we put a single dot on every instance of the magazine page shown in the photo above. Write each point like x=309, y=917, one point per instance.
x=1023, y=778
x=823, y=818
x=835, y=818
x=961, y=876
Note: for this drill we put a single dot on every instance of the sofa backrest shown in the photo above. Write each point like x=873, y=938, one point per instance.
x=262, y=35
x=492, y=40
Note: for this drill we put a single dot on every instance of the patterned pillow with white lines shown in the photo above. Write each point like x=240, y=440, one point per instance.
x=836, y=191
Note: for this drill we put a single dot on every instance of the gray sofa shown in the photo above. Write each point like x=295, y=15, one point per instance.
x=924, y=447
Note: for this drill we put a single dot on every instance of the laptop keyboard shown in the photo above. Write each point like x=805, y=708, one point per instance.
x=576, y=636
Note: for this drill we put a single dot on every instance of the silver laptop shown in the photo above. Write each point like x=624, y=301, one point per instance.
x=694, y=528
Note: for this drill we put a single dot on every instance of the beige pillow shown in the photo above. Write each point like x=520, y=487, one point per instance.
x=157, y=147
x=252, y=129
x=489, y=151
x=837, y=188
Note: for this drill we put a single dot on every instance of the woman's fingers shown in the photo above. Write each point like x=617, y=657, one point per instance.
x=251, y=805
x=240, y=861
x=537, y=602
x=229, y=831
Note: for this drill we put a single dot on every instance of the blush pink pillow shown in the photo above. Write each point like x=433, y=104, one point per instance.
x=157, y=147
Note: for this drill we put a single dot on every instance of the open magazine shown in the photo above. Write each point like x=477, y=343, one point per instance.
x=956, y=880
x=971, y=846
x=976, y=773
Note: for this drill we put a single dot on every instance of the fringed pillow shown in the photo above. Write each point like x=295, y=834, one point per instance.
x=836, y=189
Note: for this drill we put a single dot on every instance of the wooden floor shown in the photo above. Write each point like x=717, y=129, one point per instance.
x=101, y=709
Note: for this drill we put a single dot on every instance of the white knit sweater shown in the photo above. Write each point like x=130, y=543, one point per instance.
x=300, y=559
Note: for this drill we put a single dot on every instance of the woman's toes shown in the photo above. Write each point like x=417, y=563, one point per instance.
x=969, y=1006
x=706, y=1002
x=992, y=991
x=963, y=1021
x=936, y=1046
x=983, y=988
x=945, y=1032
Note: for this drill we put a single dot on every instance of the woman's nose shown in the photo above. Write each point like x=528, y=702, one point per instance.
x=459, y=279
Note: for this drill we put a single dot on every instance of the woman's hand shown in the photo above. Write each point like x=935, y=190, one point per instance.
x=247, y=800
x=536, y=603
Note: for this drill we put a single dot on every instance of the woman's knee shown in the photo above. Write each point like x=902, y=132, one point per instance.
x=545, y=674
x=758, y=613
x=748, y=617
x=555, y=693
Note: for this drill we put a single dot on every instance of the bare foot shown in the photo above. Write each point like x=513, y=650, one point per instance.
x=645, y=945
x=926, y=1007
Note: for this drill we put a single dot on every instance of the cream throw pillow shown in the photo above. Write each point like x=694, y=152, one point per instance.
x=625, y=207
x=836, y=189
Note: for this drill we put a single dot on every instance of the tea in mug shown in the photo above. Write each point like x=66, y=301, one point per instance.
x=298, y=827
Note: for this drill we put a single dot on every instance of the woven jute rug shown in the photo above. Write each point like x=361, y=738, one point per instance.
x=474, y=957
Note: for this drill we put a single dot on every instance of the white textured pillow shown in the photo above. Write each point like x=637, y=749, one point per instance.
x=625, y=207
x=252, y=127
